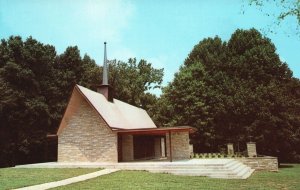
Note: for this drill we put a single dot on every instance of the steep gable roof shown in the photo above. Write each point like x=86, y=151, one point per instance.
x=117, y=114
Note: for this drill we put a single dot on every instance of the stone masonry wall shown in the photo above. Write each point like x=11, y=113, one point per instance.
x=180, y=145
x=86, y=138
x=251, y=149
x=157, y=147
x=230, y=150
x=167, y=146
x=127, y=148
x=163, y=147
x=266, y=163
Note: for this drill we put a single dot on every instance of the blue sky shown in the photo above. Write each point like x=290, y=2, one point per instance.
x=162, y=32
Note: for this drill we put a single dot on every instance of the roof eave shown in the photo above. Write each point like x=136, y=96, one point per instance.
x=156, y=130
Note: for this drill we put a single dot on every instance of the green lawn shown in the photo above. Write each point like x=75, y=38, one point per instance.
x=287, y=178
x=19, y=177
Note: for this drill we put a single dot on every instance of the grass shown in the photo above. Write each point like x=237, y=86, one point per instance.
x=288, y=178
x=21, y=177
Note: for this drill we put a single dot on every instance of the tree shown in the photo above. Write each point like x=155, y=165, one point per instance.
x=286, y=9
x=91, y=72
x=241, y=92
x=24, y=110
x=70, y=69
x=36, y=84
x=182, y=102
x=132, y=81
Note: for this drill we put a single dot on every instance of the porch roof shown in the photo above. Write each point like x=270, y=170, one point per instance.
x=156, y=131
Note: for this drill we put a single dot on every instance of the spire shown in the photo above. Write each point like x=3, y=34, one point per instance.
x=105, y=68
x=105, y=88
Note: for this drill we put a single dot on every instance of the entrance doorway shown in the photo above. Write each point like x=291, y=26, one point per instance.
x=148, y=147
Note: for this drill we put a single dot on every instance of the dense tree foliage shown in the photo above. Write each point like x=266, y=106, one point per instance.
x=36, y=83
x=132, y=81
x=236, y=91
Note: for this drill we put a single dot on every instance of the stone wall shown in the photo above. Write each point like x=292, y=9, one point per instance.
x=86, y=137
x=127, y=148
x=163, y=147
x=157, y=147
x=251, y=149
x=266, y=163
x=230, y=150
x=191, y=149
x=180, y=145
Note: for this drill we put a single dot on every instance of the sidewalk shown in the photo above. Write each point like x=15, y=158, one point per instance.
x=69, y=180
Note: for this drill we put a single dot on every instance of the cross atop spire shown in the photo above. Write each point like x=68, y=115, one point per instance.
x=105, y=68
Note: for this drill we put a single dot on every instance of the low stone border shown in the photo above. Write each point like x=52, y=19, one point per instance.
x=265, y=163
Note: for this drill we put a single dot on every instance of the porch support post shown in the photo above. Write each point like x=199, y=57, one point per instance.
x=127, y=148
x=170, y=145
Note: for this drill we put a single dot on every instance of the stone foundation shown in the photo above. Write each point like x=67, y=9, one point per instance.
x=266, y=163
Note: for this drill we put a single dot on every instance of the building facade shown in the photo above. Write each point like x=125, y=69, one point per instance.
x=98, y=128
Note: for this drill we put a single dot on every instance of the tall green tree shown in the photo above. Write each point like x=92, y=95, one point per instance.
x=24, y=106
x=36, y=83
x=132, y=81
x=70, y=69
x=247, y=92
x=182, y=102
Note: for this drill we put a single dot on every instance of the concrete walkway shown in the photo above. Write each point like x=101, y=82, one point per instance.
x=69, y=180
x=214, y=168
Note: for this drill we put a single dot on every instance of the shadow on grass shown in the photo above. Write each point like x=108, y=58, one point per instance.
x=286, y=166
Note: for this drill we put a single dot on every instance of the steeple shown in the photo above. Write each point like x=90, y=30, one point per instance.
x=105, y=68
x=105, y=88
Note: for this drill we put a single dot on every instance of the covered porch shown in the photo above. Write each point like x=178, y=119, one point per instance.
x=153, y=144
